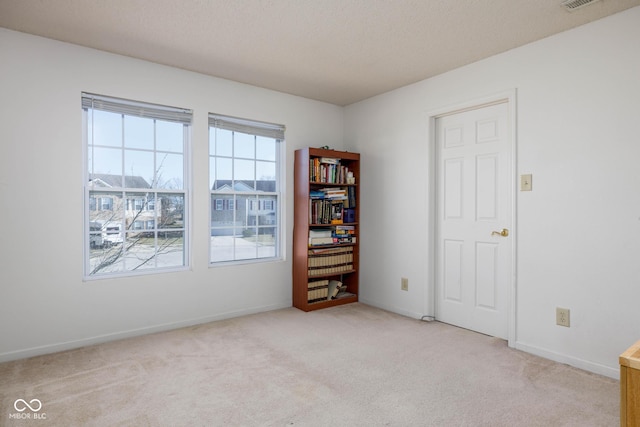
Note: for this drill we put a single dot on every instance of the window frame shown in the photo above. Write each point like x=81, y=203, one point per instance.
x=131, y=196
x=255, y=129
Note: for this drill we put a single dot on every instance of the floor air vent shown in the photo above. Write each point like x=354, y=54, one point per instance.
x=572, y=5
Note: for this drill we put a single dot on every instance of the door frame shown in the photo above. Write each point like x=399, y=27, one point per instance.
x=510, y=97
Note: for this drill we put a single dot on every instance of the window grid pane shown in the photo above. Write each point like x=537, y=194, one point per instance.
x=244, y=195
x=136, y=194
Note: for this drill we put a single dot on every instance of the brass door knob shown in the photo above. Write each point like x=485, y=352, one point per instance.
x=503, y=233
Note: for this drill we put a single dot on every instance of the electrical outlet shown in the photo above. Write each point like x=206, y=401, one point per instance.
x=404, y=284
x=562, y=317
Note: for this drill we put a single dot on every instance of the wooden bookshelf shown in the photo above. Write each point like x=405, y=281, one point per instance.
x=630, y=386
x=326, y=233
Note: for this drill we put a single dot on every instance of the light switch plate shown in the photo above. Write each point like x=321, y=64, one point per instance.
x=525, y=182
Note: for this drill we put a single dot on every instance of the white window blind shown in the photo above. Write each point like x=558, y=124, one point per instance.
x=235, y=124
x=133, y=108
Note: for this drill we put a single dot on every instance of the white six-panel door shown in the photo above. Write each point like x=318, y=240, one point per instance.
x=473, y=198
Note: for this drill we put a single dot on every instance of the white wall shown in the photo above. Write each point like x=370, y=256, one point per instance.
x=578, y=231
x=44, y=304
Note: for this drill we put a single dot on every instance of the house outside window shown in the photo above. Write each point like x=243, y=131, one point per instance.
x=135, y=174
x=244, y=174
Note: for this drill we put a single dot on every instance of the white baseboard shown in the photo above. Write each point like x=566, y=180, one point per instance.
x=70, y=345
x=392, y=309
x=585, y=365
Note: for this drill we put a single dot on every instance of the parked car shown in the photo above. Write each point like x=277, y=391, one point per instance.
x=95, y=236
x=112, y=234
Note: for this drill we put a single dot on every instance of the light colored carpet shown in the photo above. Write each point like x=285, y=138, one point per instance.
x=352, y=365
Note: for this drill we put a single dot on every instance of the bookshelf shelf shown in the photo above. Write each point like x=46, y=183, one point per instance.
x=322, y=276
x=326, y=235
x=324, y=225
x=332, y=184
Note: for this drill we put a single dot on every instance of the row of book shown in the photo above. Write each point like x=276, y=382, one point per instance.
x=334, y=269
x=319, y=294
x=340, y=234
x=347, y=195
x=344, y=231
x=345, y=240
x=329, y=251
x=344, y=234
x=322, y=290
x=334, y=193
x=328, y=212
x=329, y=170
x=324, y=211
x=345, y=256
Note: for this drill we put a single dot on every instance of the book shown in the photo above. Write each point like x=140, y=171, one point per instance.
x=334, y=288
x=336, y=213
x=349, y=215
x=334, y=193
x=352, y=197
x=313, y=241
x=344, y=240
x=344, y=294
x=329, y=160
x=320, y=232
x=344, y=230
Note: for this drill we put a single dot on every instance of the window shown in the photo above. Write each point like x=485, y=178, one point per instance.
x=139, y=204
x=106, y=204
x=244, y=178
x=136, y=186
x=224, y=204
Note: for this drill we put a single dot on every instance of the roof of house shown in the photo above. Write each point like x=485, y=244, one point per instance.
x=108, y=181
x=222, y=185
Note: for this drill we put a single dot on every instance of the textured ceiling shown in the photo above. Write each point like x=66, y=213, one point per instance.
x=338, y=51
